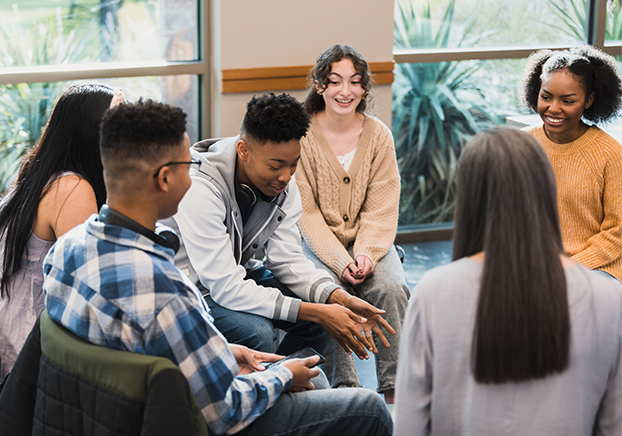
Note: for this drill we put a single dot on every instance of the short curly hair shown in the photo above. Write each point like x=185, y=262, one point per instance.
x=595, y=70
x=275, y=118
x=141, y=131
x=314, y=102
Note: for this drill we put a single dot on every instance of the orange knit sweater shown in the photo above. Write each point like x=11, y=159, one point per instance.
x=358, y=207
x=588, y=172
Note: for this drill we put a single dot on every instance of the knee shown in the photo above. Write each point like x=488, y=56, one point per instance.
x=393, y=296
x=260, y=337
x=376, y=410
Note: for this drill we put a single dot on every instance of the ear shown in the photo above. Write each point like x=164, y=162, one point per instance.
x=163, y=179
x=243, y=150
x=318, y=88
x=589, y=101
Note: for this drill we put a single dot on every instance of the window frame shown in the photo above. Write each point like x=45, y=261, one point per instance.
x=109, y=70
x=596, y=22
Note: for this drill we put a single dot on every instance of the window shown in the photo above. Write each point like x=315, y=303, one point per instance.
x=149, y=48
x=458, y=67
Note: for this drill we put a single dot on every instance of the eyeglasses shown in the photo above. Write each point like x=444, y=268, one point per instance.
x=190, y=162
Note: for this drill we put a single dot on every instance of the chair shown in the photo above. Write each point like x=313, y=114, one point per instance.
x=63, y=385
x=400, y=252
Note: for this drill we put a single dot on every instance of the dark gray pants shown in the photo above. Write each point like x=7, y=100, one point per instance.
x=387, y=290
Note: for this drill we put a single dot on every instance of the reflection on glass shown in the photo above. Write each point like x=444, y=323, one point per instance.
x=437, y=107
x=78, y=31
x=26, y=107
x=614, y=22
x=487, y=23
x=182, y=91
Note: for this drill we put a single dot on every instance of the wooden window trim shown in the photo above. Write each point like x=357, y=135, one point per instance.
x=290, y=77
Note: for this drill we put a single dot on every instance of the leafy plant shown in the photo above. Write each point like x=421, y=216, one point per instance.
x=436, y=109
x=25, y=108
x=574, y=17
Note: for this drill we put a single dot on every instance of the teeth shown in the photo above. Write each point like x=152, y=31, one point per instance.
x=555, y=120
x=344, y=101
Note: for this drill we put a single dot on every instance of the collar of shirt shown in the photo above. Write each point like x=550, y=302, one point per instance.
x=122, y=236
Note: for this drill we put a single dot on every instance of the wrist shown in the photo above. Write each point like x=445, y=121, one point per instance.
x=339, y=296
x=310, y=312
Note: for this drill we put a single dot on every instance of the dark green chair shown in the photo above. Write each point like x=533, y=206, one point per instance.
x=85, y=389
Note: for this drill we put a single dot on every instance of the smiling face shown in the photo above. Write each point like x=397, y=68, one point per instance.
x=344, y=91
x=561, y=103
x=268, y=167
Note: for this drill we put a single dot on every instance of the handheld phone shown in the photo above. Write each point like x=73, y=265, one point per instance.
x=300, y=354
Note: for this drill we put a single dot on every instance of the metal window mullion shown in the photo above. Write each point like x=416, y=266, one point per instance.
x=61, y=73
x=402, y=56
x=596, y=23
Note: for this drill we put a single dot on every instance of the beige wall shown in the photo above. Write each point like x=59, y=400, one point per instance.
x=275, y=33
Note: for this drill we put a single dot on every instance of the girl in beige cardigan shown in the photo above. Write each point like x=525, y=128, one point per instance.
x=350, y=185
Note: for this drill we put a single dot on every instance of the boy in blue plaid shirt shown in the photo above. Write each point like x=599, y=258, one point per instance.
x=112, y=282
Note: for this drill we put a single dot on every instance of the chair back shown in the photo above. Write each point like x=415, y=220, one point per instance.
x=102, y=391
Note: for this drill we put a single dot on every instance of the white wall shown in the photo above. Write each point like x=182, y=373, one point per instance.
x=276, y=33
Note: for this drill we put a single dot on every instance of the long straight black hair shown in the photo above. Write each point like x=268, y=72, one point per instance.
x=70, y=142
x=507, y=208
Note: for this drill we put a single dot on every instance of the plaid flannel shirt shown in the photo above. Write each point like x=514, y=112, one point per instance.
x=116, y=288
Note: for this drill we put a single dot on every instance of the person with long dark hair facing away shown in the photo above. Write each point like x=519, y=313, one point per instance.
x=570, y=89
x=350, y=188
x=512, y=337
x=60, y=184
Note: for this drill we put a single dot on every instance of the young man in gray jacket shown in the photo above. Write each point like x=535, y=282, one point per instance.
x=241, y=200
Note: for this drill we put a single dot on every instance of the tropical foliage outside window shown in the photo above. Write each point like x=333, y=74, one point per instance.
x=34, y=33
x=437, y=107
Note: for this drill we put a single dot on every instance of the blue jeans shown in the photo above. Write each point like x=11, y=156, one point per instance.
x=258, y=332
x=342, y=412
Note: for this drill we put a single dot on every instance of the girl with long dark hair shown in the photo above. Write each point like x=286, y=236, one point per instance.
x=60, y=183
x=512, y=337
x=350, y=189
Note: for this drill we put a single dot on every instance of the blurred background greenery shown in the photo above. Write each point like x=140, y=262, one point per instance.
x=437, y=107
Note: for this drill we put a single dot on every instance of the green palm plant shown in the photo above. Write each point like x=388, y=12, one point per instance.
x=574, y=17
x=25, y=108
x=436, y=109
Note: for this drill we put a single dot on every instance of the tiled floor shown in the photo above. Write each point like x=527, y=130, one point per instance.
x=419, y=258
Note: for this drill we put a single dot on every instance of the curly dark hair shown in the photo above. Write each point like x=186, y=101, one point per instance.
x=275, y=118
x=314, y=102
x=595, y=70
x=141, y=130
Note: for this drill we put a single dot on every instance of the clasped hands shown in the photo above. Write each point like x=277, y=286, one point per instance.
x=356, y=273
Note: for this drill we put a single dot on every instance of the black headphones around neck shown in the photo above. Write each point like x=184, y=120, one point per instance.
x=164, y=236
x=245, y=195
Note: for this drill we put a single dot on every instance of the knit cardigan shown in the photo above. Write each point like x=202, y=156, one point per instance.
x=588, y=172
x=358, y=207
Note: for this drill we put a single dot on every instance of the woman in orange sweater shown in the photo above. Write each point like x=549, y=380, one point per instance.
x=570, y=89
x=350, y=187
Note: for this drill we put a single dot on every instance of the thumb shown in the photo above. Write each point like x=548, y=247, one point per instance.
x=356, y=318
x=310, y=362
x=254, y=364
